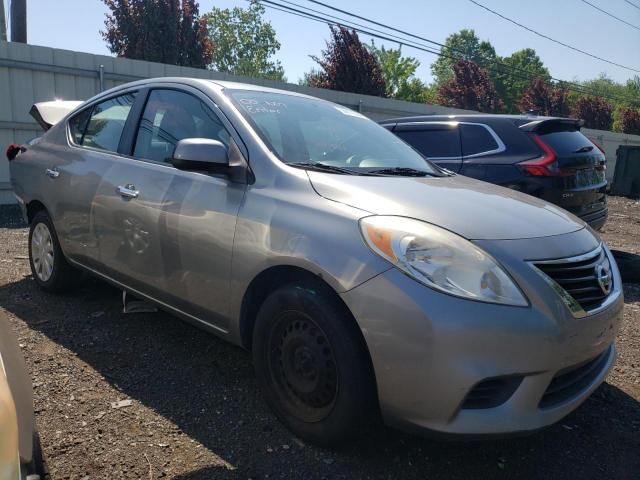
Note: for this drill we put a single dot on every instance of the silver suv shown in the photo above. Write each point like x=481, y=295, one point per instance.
x=367, y=282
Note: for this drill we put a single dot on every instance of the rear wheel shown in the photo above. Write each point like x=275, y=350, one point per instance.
x=312, y=365
x=50, y=269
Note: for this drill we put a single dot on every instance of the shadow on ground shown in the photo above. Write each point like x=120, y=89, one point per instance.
x=207, y=388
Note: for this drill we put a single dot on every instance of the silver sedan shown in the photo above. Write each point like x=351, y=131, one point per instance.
x=367, y=282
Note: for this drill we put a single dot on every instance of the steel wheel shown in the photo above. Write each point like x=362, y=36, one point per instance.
x=303, y=366
x=42, y=252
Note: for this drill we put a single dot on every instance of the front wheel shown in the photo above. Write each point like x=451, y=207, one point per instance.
x=50, y=269
x=313, y=366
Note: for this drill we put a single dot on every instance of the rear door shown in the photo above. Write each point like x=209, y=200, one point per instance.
x=438, y=141
x=94, y=136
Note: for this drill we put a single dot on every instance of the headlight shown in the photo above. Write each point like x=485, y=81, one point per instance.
x=440, y=259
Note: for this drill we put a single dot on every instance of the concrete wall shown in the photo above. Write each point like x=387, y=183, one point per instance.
x=31, y=74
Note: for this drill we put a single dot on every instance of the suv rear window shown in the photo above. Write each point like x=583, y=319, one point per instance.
x=567, y=141
x=476, y=139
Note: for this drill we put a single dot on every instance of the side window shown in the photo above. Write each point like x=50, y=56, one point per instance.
x=476, y=139
x=105, y=125
x=434, y=142
x=171, y=116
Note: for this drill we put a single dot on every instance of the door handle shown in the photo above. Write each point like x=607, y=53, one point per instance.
x=52, y=173
x=128, y=191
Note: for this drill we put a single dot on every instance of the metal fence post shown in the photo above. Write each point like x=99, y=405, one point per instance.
x=101, y=77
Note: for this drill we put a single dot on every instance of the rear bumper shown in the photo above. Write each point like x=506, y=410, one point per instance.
x=596, y=220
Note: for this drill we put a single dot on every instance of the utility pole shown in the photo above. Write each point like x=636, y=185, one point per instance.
x=3, y=23
x=19, y=21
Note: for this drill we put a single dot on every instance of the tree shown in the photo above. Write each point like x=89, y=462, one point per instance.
x=169, y=31
x=347, y=65
x=470, y=88
x=398, y=71
x=595, y=111
x=466, y=45
x=607, y=87
x=415, y=90
x=244, y=42
x=629, y=120
x=544, y=99
x=515, y=74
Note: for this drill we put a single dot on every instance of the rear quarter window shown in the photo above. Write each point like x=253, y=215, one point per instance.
x=476, y=139
x=78, y=125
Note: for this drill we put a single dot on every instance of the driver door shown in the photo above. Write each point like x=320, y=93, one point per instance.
x=168, y=233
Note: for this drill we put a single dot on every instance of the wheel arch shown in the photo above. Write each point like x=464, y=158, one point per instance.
x=268, y=281
x=33, y=207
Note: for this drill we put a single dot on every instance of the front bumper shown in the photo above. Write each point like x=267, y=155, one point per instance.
x=429, y=349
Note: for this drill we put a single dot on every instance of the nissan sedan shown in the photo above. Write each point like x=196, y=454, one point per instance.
x=366, y=281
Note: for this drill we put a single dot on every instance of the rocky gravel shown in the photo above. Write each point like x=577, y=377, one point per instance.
x=146, y=396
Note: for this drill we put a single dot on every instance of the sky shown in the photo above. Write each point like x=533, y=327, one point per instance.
x=75, y=25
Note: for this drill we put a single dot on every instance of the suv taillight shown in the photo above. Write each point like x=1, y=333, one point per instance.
x=545, y=165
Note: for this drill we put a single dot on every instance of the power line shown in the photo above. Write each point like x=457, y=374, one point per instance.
x=633, y=4
x=504, y=68
x=396, y=39
x=552, y=39
x=610, y=14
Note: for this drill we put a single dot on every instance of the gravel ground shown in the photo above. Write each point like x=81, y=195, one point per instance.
x=195, y=412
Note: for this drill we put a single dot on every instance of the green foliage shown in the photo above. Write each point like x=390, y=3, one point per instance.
x=466, y=45
x=515, y=76
x=398, y=72
x=244, y=43
x=607, y=87
x=347, y=65
x=470, y=88
x=169, y=31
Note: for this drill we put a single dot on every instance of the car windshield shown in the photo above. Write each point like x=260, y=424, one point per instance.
x=315, y=134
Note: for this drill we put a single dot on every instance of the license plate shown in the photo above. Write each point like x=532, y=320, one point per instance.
x=588, y=177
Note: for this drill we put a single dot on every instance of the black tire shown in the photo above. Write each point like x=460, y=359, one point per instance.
x=629, y=266
x=62, y=274
x=312, y=365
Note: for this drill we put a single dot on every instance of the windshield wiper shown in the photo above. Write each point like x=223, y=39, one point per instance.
x=404, y=171
x=323, y=167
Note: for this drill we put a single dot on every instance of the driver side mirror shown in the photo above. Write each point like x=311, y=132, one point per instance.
x=201, y=154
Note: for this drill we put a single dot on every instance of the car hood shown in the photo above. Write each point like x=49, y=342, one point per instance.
x=476, y=210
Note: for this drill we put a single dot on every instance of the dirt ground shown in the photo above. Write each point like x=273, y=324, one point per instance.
x=196, y=412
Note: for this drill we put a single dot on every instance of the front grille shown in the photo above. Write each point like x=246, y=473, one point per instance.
x=571, y=381
x=578, y=277
x=491, y=392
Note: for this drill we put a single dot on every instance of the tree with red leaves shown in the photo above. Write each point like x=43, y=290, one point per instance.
x=596, y=112
x=629, y=120
x=347, y=65
x=544, y=99
x=165, y=31
x=470, y=88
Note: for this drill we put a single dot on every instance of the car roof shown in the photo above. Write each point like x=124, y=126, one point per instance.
x=202, y=82
x=474, y=117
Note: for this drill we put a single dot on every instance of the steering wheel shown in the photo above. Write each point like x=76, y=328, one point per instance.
x=355, y=160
